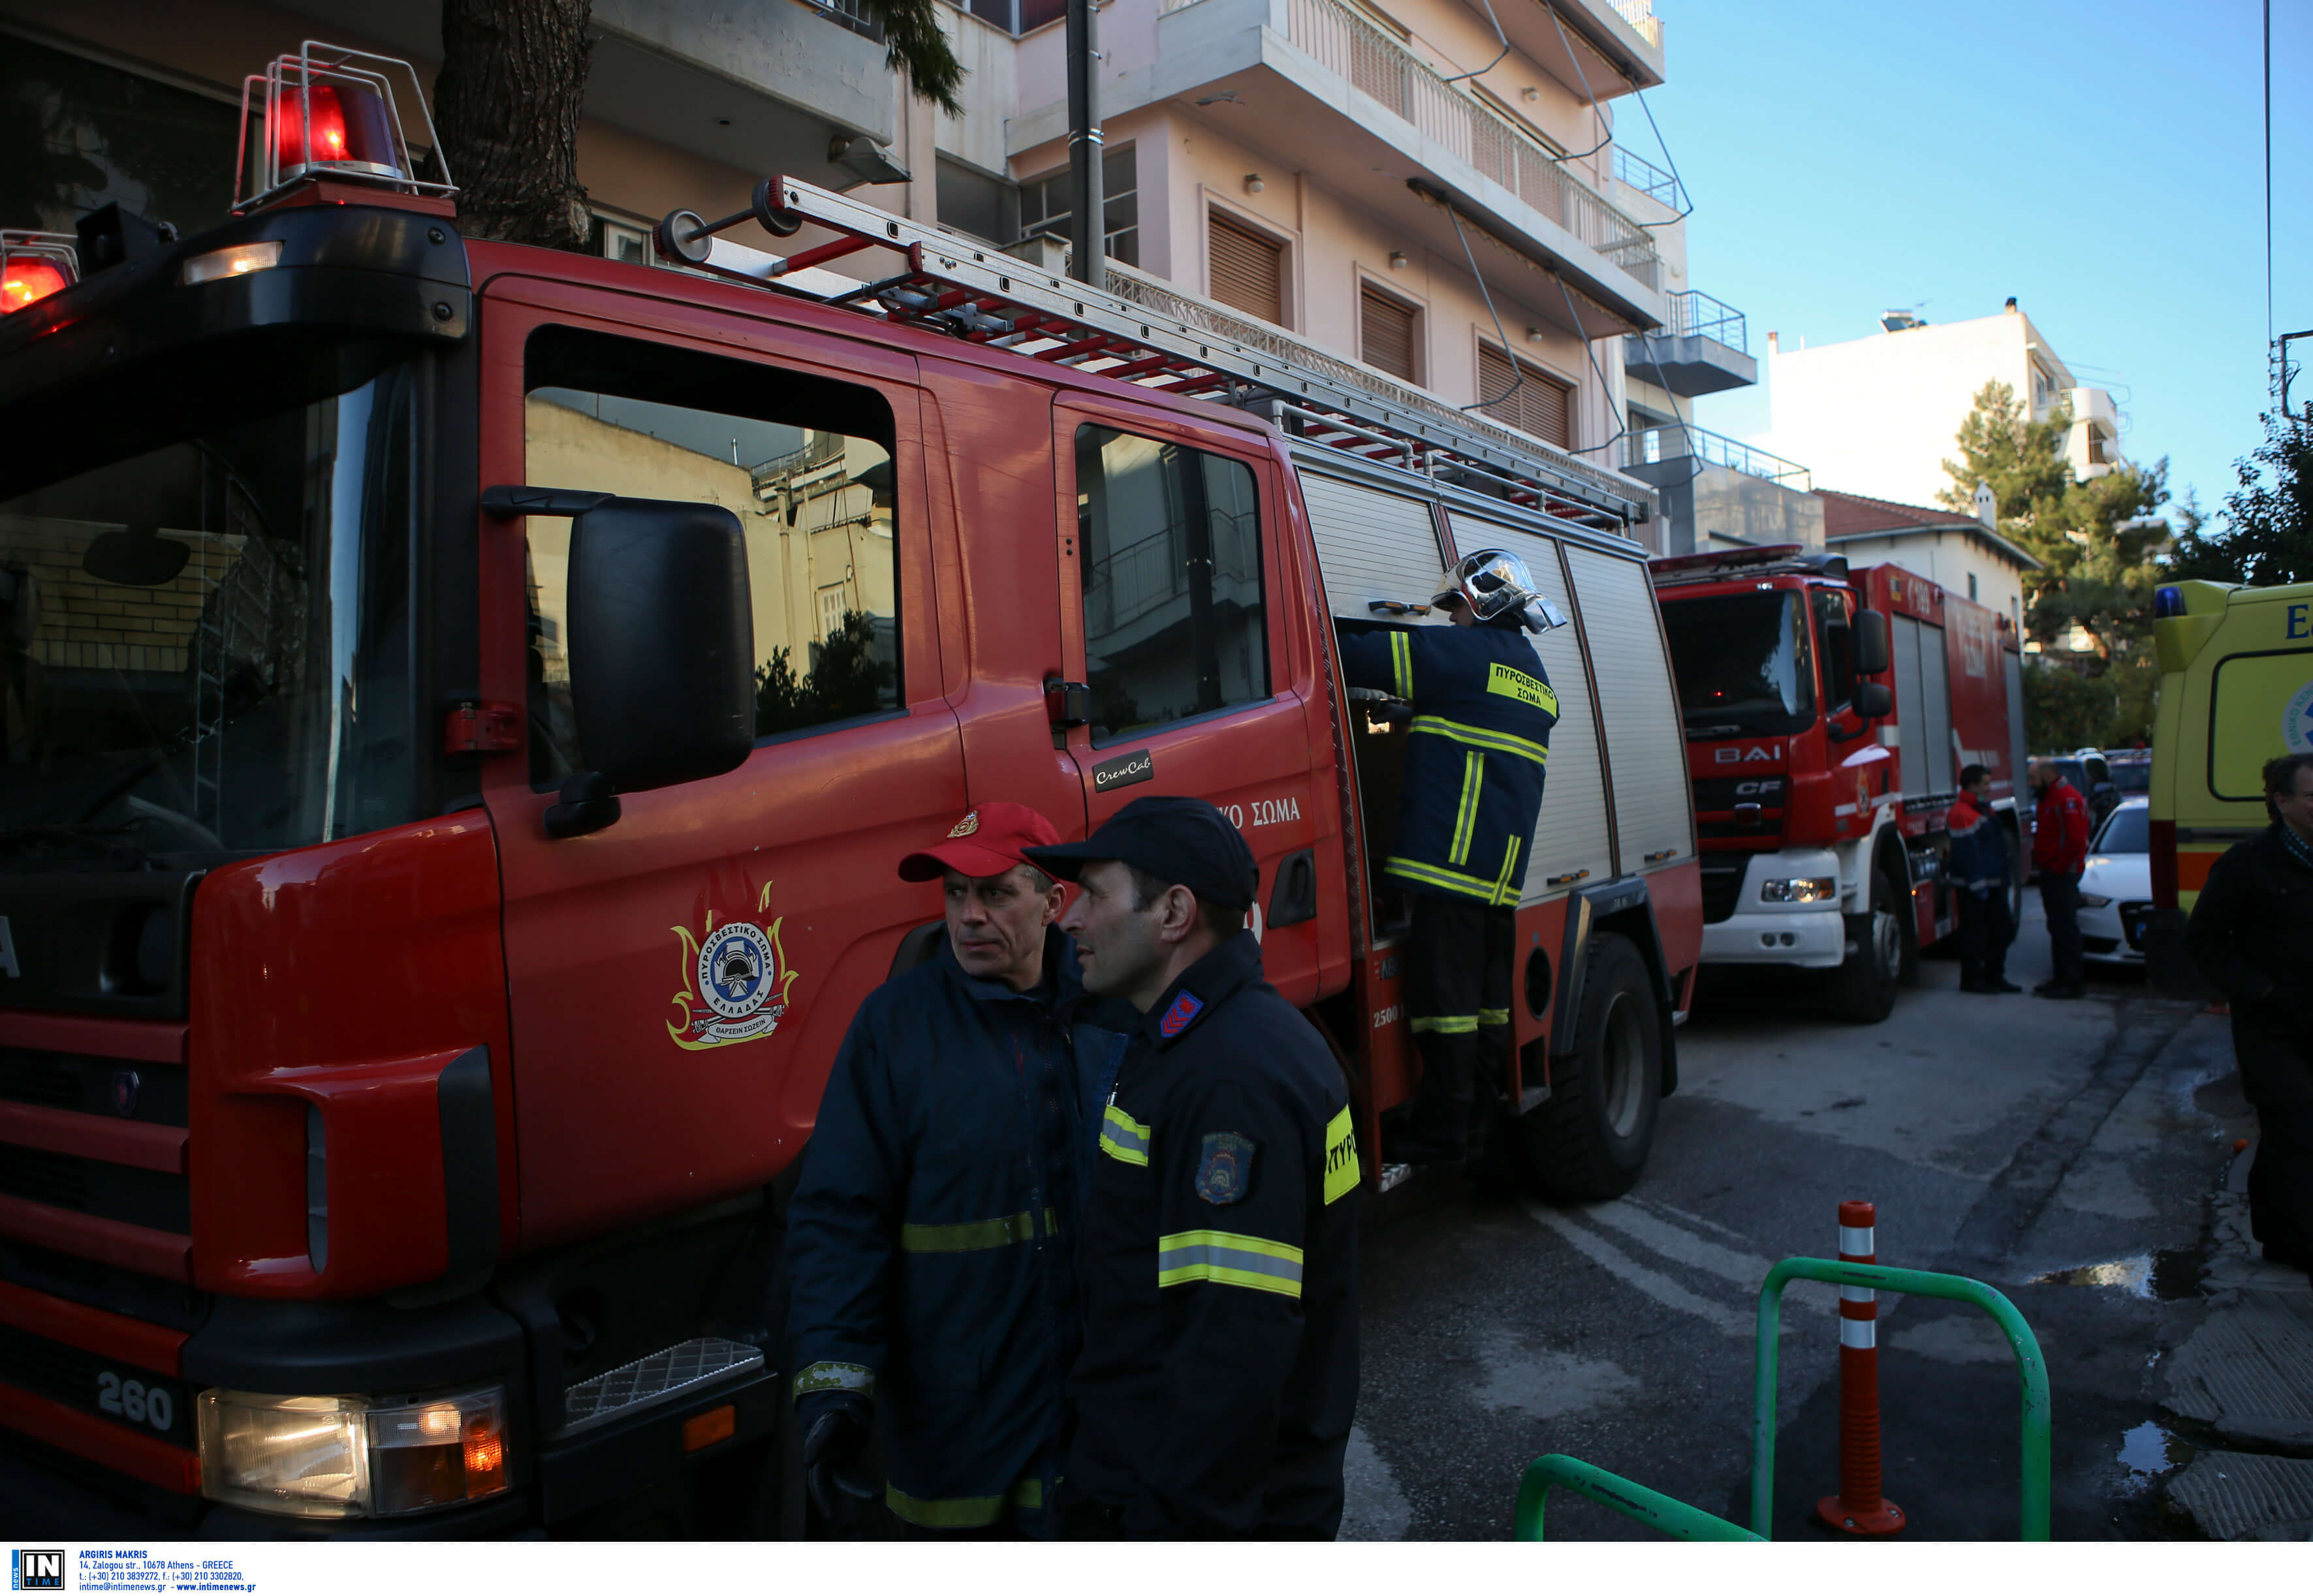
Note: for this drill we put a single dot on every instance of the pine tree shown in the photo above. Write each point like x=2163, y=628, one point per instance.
x=513, y=84
x=2268, y=540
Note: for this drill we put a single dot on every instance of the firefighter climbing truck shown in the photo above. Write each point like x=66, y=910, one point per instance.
x=1828, y=714
x=464, y=703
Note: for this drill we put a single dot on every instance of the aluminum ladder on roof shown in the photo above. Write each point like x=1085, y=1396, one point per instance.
x=1142, y=332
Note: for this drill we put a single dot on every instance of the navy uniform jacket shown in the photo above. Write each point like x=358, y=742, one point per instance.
x=930, y=1238
x=1978, y=860
x=2252, y=934
x=1219, y=1374
x=1483, y=711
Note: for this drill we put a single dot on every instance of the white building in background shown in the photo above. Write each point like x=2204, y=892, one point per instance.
x=1878, y=415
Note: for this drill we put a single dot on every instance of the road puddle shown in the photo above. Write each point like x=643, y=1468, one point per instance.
x=2161, y=1276
x=2150, y=1450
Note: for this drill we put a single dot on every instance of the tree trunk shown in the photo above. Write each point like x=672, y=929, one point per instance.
x=513, y=80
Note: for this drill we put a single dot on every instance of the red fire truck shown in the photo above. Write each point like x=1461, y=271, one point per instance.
x=1828, y=714
x=464, y=704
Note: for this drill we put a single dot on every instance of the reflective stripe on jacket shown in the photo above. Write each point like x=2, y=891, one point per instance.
x=1979, y=846
x=1219, y=1374
x=930, y=1235
x=2060, y=830
x=1475, y=757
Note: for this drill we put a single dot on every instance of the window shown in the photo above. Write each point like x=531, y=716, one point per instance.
x=1047, y=205
x=82, y=135
x=1742, y=664
x=1541, y=405
x=622, y=240
x=806, y=464
x=1387, y=332
x=1173, y=622
x=1838, y=661
x=1015, y=16
x=1247, y=269
x=973, y=202
x=1971, y=585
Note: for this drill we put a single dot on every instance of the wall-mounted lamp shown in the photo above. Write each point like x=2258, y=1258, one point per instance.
x=1252, y=183
x=1534, y=335
x=1397, y=259
x=1530, y=94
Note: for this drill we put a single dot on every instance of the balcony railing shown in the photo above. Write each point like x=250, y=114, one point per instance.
x=1014, y=16
x=1636, y=171
x=1640, y=15
x=851, y=15
x=1343, y=42
x=1693, y=312
x=1655, y=445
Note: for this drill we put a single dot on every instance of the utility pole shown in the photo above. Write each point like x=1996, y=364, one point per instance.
x=1087, y=236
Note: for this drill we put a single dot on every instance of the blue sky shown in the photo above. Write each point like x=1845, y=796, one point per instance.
x=2102, y=163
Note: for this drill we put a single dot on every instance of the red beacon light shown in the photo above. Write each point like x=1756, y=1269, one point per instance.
x=330, y=112
x=35, y=264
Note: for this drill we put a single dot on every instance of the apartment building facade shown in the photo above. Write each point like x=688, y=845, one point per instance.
x=1878, y=415
x=1389, y=180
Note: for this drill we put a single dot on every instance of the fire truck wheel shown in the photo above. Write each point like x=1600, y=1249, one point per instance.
x=1864, y=988
x=1590, y=1139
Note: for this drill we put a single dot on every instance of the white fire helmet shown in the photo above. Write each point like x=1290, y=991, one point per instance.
x=1494, y=582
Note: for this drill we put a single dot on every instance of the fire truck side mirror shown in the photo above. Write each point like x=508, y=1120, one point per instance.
x=1872, y=699
x=1869, y=637
x=662, y=642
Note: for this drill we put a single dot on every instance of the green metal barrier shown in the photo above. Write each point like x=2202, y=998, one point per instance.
x=1674, y=1518
x=2030, y=1366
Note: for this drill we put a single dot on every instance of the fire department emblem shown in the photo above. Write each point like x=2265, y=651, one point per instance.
x=735, y=982
x=966, y=826
x=2296, y=721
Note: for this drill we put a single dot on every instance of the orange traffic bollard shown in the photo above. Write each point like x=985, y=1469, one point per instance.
x=1858, y=1509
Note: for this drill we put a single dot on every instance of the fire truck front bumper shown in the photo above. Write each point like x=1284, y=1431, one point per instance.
x=1787, y=913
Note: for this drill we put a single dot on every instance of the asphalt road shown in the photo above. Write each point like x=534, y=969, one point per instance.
x=2012, y=1139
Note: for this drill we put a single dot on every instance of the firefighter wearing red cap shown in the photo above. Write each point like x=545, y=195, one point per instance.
x=929, y=1236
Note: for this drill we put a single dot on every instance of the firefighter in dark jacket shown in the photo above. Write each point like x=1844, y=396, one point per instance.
x=1219, y=1373
x=1474, y=762
x=1978, y=866
x=928, y=1240
x=2252, y=934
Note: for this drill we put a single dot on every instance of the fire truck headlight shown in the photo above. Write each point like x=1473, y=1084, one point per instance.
x=238, y=261
x=351, y=1457
x=1819, y=888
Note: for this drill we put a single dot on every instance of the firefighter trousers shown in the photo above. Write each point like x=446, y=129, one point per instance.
x=1457, y=995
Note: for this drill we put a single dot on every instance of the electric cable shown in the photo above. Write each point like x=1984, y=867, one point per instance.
x=1677, y=184
x=1583, y=78
x=1500, y=35
x=1517, y=372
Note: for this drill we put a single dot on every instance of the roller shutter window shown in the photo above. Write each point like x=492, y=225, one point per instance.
x=1248, y=270
x=1386, y=340
x=1541, y=405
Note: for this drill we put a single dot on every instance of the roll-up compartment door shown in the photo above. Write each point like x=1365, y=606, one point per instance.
x=1911, y=715
x=1646, y=742
x=1370, y=545
x=1938, y=772
x=2015, y=670
x=1570, y=838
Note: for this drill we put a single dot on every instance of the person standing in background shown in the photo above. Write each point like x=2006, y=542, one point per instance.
x=2060, y=852
x=1979, y=868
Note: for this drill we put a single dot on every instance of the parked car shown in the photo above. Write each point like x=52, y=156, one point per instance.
x=2116, y=887
x=2130, y=770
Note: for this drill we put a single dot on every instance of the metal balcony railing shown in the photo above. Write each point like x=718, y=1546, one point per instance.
x=1694, y=312
x=1343, y=42
x=1640, y=15
x=1655, y=445
x=1636, y=171
x=851, y=15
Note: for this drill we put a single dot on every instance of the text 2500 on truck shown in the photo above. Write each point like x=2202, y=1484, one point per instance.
x=464, y=704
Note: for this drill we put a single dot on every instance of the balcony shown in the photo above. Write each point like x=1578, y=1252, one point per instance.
x=1362, y=114
x=1615, y=47
x=1705, y=348
x=1714, y=488
x=758, y=88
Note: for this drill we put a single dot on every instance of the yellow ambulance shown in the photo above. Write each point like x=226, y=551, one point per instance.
x=2235, y=690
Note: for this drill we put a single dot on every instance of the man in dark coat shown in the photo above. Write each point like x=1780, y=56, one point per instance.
x=1219, y=1374
x=2252, y=934
x=1979, y=869
x=1478, y=750
x=929, y=1241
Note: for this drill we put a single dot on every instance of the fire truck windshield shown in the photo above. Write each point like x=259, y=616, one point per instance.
x=205, y=649
x=1746, y=663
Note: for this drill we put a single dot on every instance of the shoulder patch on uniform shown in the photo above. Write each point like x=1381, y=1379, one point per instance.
x=1185, y=1008
x=1513, y=683
x=1225, y=1171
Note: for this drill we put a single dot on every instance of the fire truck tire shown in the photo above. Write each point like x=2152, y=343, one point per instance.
x=1863, y=991
x=1590, y=1138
